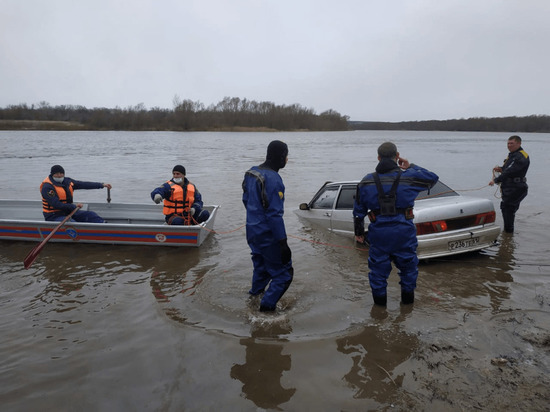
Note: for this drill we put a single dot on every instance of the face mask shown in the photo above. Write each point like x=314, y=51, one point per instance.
x=59, y=179
x=177, y=179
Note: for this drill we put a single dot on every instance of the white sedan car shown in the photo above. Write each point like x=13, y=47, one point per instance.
x=447, y=223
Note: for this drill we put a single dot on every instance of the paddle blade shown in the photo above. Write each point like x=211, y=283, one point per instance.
x=33, y=254
x=31, y=257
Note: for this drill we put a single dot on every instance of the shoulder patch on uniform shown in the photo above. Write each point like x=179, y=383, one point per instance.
x=524, y=153
x=281, y=195
x=51, y=193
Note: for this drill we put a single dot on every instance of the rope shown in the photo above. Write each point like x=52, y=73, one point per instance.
x=215, y=231
x=327, y=244
x=331, y=244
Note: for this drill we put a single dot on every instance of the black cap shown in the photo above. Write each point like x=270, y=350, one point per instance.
x=57, y=169
x=179, y=168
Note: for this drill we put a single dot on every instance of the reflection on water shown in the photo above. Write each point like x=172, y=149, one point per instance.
x=265, y=363
x=376, y=351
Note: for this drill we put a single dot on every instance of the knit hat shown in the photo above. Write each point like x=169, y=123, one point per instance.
x=179, y=168
x=57, y=169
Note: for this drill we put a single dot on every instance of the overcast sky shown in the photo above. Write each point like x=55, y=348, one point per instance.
x=387, y=60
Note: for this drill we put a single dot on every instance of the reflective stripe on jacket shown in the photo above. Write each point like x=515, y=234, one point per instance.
x=179, y=202
x=61, y=192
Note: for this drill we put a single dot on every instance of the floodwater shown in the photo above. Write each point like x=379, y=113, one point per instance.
x=95, y=327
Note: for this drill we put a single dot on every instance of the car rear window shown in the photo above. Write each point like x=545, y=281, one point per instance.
x=439, y=190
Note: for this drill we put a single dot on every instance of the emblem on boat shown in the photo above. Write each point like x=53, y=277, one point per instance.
x=72, y=233
x=160, y=237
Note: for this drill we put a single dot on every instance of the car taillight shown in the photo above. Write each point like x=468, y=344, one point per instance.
x=484, y=218
x=431, y=227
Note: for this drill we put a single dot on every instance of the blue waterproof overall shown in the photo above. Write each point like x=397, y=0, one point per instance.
x=392, y=237
x=263, y=198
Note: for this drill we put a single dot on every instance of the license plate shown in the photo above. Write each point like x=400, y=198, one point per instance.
x=463, y=244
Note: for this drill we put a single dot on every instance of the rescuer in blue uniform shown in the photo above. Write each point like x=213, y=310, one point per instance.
x=387, y=198
x=263, y=198
x=57, y=197
x=512, y=180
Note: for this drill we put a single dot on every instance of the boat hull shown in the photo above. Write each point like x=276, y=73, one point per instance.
x=127, y=224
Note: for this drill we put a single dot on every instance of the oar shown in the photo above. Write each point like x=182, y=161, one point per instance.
x=33, y=254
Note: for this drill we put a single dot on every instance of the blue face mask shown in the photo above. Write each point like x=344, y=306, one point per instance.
x=177, y=179
x=59, y=179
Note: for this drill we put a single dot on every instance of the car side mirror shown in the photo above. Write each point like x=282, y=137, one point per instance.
x=304, y=206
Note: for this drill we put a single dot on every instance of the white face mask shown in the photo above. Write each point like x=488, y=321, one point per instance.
x=177, y=179
x=59, y=179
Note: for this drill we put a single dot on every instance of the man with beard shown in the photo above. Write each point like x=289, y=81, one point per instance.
x=263, y=198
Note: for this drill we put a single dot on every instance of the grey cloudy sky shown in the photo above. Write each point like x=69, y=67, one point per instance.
x=387, y=60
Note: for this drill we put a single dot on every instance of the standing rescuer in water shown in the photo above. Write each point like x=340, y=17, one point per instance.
x=387, y=198
x=263, y=198
x=512, y=180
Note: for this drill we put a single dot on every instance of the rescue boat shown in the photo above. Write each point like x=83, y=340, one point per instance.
x=126, y=224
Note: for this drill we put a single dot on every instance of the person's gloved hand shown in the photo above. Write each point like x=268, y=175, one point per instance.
x=192, y=211
x=286, y=254
x=157, y=198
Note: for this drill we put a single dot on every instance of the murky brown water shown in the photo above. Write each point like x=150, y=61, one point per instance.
x=93, y=327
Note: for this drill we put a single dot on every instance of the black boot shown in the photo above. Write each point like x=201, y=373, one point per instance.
x=380, y=300
x=407, y=298
x=508, y=216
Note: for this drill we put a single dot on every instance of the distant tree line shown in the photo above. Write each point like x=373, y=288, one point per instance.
x=232, y=113
x=534, y=123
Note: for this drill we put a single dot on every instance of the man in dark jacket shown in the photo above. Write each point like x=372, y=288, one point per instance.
x=182, y=200
x=263, y=198
x=387, y=198
x=512, y=180
x=57, y=197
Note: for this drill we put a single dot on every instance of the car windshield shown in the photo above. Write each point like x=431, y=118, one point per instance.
x=325, y=199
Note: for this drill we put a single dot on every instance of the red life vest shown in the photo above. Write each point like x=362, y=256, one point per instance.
x=176, y=204
x=62, y=194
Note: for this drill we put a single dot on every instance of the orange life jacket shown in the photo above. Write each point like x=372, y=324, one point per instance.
x=176, y=204
x=61, y=194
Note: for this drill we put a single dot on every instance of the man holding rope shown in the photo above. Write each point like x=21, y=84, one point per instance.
x=512, y=180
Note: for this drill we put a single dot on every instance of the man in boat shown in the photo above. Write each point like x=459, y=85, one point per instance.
x=182, y=200
x=387, y=198
x=512, y=180
x=57, y=197
x=263, y=198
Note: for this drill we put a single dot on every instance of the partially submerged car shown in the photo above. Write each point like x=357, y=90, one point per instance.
x=447, y=223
